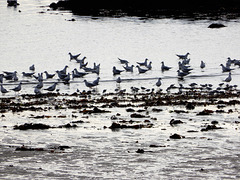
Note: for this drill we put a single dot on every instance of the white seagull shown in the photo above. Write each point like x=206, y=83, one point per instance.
x=32, y=68
x=165, y=68
x=3, y=90
x=18, y=88
x=159, y=83
x=225, y=69
x=128, y=68
x=143, y=63
x=52, y=87
x=202, y=65
x=123, y=61
x=119, y=80
x=116, y=71
x=229, y=78
x=140, y=70
x=89, y=84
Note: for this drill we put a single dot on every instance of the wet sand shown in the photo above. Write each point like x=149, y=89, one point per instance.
x=192, y=134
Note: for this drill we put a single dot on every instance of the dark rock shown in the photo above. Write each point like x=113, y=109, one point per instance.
x=205, y=112
x=176, y=136
x=156, y=146
x=134, y=126
x=156, y=110
x=68, y=126
x=190, y=106
x=141, y=151
x=27, y=126
x=211, y=127
x=130, y=110
x=135, y=115
x=216, y=25
x=214, y=122
x=174, y=122
x=24, y=148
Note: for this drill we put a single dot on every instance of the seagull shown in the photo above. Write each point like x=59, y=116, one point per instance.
x=18, y=88
x=80, y=74
x=37, y=91
x=202, y=65
x=61, y=75
x=39, y=85
x=182, y=56
x=140, y=70
x=229, y=78
x=52, y=87
x=116, y=71
x=123, y=61
x=81, y=60
x=73, y=56
x=64, y=70
x=48, y=76
x=1, y=78
x=82, y=65
x=184, y=68
x=181, y=74
x=27, y=74
x=143, y=63
x=128, y=68
x=149, y=66
x=67, y=78
x=165, y=68
x=3, y=90
x=225, y=69
x=96, y=82
x=119, y=80
x=32, y=68
x=88, y=84
x=159, y=83
x=9, y=73
x=12, y=75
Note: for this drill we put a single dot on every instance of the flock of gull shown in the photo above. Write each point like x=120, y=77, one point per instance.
x=64, y=76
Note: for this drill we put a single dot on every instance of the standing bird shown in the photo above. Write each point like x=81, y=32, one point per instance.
x=39, y=85
x=37, y=91
x=96, y=81
x=119, y=80
x=225, y=69
x=202, y=65
x=159, y=83
x=229, y=78
x=89, y=84
x=116, y=71
x=123, y=61
x=149, y=66
x=3, y=90
x=128, y=68
x=165, y=68
x=32, y=68
x=18, y=88
x=140, y=70
x=49, y=75
x=143, y=63
x=52, y=87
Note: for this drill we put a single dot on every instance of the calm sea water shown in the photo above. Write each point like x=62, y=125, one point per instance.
x=33, y=34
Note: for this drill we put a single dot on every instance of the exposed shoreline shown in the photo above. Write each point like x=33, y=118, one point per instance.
x=213, y=9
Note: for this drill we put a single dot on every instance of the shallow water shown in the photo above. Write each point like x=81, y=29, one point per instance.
x=44, y=39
